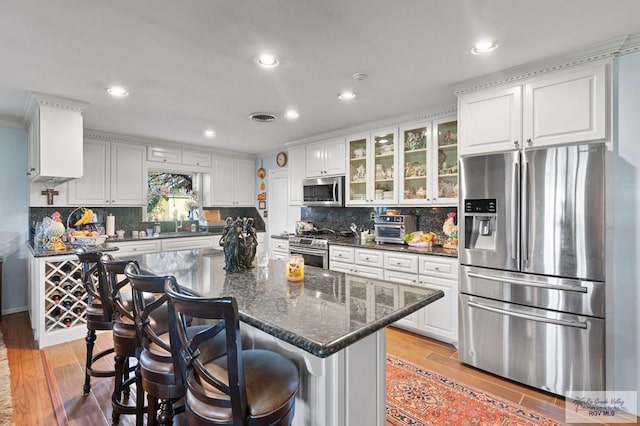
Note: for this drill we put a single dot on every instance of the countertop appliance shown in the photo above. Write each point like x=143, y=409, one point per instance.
x=532, y=266
x=325, y=192
x=393, y=228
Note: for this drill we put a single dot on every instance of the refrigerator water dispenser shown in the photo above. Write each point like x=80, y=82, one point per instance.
x=480, y=224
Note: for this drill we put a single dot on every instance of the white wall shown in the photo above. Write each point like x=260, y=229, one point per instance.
x=623, y=286
x=14, y=215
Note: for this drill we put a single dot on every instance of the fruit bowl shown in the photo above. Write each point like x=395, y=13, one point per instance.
x=91, y=240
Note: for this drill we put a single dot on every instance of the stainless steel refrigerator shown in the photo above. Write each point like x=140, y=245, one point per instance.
x=531, y=253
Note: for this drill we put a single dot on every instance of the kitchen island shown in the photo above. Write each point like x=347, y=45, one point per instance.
x=331, y=324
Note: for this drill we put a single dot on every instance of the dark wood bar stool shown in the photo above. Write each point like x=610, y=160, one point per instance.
x=97, y=317
x=243, y=387
x=125, y=341
x=155, y=361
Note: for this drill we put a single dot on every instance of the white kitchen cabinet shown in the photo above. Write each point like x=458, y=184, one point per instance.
x=135, y=248
x=428, y=163
x=296, y=166
x=114, y=174
x=341, y=254
x=373, y=169
x=439, y=319
x=233, y=182
x=368, y=257
x=325, y=158
x=279, y=249
x=559, y=107
x=54, y=138
x=164, y=155
x=402, y=262
x=362, y=262
x=196, y=158
x=187, y=243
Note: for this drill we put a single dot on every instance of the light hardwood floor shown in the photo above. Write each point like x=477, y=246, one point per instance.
x=34, y=405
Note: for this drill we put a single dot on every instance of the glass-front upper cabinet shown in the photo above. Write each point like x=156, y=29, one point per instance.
x=357, y=152
x=384, y=167
x=372, y=168
x=415, y=182
x=445, y=133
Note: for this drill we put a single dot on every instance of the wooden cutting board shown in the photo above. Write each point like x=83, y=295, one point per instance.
x=212, y=215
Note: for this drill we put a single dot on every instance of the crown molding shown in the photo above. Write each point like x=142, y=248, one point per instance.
x=138, y=140
x=373, y=126
x=600, y=52
x=13, y=122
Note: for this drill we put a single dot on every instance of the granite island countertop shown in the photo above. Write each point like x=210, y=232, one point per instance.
x=70, y=249
x=404, y=248
x=323, y=314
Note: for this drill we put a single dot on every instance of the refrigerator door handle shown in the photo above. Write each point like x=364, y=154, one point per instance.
x=576, y=324
x=515, y=182
x=525, y=213
x=515, y=281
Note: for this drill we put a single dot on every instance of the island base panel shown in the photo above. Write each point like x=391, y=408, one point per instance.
x=346, y=388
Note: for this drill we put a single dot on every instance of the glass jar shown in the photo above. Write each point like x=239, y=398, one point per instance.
x=295, y=267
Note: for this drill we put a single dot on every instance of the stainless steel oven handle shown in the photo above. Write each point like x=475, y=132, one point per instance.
x=577, y=289
x=576, y=324
x=294, y=250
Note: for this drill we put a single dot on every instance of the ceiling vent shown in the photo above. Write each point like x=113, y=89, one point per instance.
x=263, y=117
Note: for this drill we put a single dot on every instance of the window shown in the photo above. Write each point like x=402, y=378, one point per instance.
x=171, y=196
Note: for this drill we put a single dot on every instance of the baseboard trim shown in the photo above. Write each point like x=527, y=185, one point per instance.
x=14, y=310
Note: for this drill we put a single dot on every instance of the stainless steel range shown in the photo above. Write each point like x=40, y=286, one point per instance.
x=315, y=251
x=314, y=247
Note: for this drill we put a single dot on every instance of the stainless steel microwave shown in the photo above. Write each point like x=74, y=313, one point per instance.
x=325, y=191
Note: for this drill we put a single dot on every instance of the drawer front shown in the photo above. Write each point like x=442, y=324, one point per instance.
x=341, y=267
x=369, y=272
x=438, y=267
x=369, y=258
x=128, y=249
x=341, y=254
x=164, y=155
x=187, y=243
x=401, y=262
x=280, y=245
x=194, y=158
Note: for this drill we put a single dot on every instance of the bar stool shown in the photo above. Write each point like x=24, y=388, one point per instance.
x=243, y=387
x=125, y=340
x=155, y=362
x=98, y=316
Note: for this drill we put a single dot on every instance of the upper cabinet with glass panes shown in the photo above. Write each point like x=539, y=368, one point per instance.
x=429, y=163
x=372, y=164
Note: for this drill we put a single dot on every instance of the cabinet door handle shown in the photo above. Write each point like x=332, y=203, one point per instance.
x=106, y=201
x=32, y=169
x=515, y=143
x=436, y=268
x=113, y=201
x=28, y=174
x=529, y=141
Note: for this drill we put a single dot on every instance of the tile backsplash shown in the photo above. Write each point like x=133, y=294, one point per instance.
x=430, y=219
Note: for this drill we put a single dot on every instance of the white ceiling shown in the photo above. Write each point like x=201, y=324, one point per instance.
x=189, y=65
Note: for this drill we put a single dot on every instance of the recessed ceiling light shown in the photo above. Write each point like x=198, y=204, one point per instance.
x=484, y=46
x=346, y=95
x=209, y=133
x=117, y=91
x=267, y=60
x=291, y=114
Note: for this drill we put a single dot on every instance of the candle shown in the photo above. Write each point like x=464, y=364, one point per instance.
x=295, y=267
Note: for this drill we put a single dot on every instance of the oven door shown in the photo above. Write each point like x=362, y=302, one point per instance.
x=317, y=258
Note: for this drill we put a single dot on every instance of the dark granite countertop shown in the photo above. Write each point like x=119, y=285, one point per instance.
x=162, y=235
x=323, y=314
x=433, y=250
x=282, y=236
x=71, y=249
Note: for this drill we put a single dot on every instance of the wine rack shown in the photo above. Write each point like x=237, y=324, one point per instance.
x=65, y=300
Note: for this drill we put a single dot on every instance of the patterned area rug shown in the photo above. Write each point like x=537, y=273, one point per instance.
x=6, y=409
x=419, y=397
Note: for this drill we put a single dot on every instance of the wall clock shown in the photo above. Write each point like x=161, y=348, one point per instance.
x=281, y=159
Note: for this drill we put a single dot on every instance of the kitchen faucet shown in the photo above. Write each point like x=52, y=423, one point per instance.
x=178, y=223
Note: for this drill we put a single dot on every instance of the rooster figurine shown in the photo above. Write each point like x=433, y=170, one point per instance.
x=450, y=229
x=55, y=230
